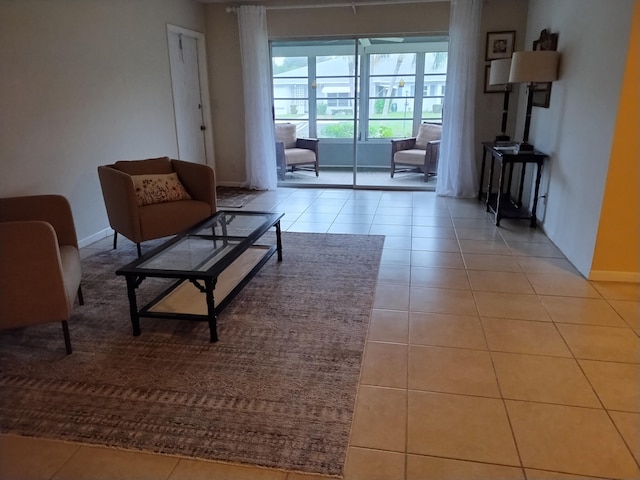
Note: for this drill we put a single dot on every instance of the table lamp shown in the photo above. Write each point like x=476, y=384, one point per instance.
x=538, y=66
x=499, y=75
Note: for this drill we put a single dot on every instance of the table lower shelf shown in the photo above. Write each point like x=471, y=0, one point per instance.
x=186, y=299
x=508, y=209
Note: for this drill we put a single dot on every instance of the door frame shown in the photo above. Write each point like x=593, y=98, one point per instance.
x=204, y=90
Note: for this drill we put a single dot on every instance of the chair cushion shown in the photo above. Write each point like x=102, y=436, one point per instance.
x=158, y=188
x=286, y=133
x=410, y=157
x=427, y=133
x=298, y=156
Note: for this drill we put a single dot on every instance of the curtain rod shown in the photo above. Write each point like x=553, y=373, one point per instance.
x=353, y=5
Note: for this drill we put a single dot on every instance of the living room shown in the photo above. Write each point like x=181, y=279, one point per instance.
x=88, y=83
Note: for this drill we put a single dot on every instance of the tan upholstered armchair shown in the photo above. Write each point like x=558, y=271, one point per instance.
x=39, y=262
x=419, y=153
x=157, y=197
x=294, y=153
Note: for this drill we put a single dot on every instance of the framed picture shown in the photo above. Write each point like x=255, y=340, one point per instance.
x=499, y=45
x=491, y=88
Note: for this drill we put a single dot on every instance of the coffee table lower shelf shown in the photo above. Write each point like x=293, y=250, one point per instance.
x=186, y=299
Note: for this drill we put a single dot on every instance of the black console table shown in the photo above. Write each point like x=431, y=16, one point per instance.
x=501, y=203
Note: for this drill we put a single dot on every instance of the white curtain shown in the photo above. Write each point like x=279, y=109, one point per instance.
x=258, y=120
x=457, y=170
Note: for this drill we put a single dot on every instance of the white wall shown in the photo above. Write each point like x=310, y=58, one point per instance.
x=577, y=129
x=84, y=83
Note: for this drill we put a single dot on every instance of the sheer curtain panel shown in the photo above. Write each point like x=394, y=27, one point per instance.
x=258, y=120
x=457, y=170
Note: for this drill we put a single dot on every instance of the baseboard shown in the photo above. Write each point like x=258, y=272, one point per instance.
x=608, y=276
x=85, y=242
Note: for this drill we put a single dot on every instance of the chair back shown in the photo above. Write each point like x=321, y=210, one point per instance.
x=428, y=132
x=286, y=133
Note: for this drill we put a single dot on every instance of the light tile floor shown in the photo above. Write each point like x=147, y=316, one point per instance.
x=488, y=357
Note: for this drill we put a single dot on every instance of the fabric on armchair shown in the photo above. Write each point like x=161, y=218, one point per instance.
x=157, y=197
x=40, y=269
x=420, y=152
x=294, y=153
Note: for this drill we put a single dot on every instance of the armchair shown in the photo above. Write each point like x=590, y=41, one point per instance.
x=157, y=197
x=39, y=262
x=419, y=153
x=293, y=152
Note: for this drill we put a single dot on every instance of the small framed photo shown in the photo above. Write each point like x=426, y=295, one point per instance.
x=499, y=45
x=491, y=88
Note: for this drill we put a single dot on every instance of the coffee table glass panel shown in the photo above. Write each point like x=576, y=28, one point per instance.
x=216, y=257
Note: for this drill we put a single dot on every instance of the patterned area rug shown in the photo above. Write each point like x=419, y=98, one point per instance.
x=231, y=197
x=277, y=390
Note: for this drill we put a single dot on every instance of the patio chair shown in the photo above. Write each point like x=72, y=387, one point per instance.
x=293, y=153
x=418, y=154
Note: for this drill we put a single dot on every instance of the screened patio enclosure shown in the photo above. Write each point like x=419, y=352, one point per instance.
x=355, y=95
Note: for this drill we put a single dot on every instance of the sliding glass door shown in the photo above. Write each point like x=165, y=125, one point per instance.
x=355, y=96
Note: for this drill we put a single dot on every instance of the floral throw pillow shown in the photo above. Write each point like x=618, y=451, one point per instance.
x=158, y=188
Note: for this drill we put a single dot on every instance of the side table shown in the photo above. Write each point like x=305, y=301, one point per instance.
x=501, y=204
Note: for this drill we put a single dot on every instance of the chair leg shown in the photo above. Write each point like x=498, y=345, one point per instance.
x=80, y=297
x=67, y=337
x=139, y=250
x=115, y=239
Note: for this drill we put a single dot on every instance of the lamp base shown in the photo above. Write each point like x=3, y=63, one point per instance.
x=502, y=138
x=525, y=147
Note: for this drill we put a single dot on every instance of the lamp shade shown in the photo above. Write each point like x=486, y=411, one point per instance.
x=534, y=66
x=499, y=71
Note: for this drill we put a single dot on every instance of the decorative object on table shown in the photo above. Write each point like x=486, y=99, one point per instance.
x=499, y=76
x=499, y=45
x=532, y=68
x=278, y=390
x=542, y=91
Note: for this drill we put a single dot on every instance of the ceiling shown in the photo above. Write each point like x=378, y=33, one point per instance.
x=317, y=3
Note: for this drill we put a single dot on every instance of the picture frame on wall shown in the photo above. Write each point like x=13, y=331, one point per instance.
x=500, y=45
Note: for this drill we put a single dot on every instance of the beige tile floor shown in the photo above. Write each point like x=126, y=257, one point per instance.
x=488, y=357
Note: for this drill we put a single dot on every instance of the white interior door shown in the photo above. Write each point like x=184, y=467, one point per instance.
x=187, y=97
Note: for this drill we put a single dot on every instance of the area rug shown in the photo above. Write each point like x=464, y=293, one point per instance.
x=278, y=389
x=232, y=197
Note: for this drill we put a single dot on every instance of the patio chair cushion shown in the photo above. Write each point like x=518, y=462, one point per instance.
x=427, y=133
x=286, y=133
x=296, y=156
x=415, y=156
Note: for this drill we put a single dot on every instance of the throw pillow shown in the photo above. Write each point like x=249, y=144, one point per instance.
x=159, y=188
x=427, y=133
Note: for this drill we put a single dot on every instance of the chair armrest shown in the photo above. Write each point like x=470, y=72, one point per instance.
x=120, y=201
x=54, y=209
x=32, y=288
x=402, y=144
x=308, y=144
x=433, y=147
x=280, y=158
x=199, y=180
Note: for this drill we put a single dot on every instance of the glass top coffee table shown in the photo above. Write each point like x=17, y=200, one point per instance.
x=217, y=256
